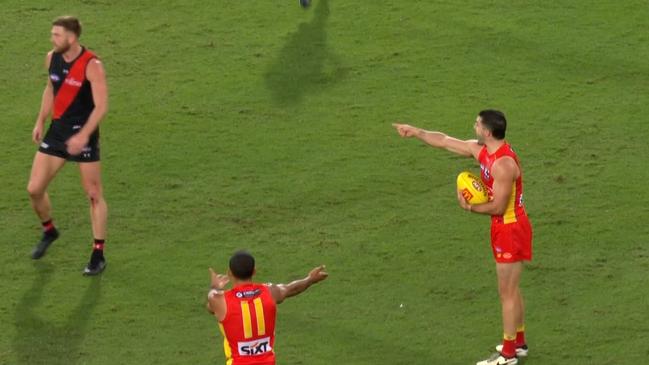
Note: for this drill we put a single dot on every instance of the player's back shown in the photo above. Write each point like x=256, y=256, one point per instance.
x=249, y=325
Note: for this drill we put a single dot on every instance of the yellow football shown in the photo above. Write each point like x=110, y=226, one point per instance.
x=472, y=188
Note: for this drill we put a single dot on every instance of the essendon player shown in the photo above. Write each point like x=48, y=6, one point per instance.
x=511, y=232
x=76, y=97
x=246, y=312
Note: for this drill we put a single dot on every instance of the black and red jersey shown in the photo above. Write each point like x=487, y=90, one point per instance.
x=73, y=100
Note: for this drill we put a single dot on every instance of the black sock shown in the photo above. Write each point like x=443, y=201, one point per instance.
x=98, y=247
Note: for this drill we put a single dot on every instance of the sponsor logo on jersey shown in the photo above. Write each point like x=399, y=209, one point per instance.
x=247, y=293
x=256, y=347
x=485, y=172
x=72, y=82
x=55, y=77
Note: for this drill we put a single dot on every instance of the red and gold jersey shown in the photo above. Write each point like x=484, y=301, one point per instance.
x=249, y=325
x=515, y=207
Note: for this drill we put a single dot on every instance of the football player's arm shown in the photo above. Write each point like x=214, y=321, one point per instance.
x=468, y=148
x=47, y=101
x=216, y=304
x=97, y=77
x=504, y=173
x=216, y=296
x=282, y=291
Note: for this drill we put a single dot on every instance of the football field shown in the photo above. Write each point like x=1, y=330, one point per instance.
x=265, y=126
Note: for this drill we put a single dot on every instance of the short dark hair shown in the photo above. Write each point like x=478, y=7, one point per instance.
x=495, y=122
x=69, y=23
x=242, y=265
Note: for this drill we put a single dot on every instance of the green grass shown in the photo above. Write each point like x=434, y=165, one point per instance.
x=248, y=124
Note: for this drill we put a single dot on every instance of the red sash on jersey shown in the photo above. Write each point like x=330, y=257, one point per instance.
x=72, y=84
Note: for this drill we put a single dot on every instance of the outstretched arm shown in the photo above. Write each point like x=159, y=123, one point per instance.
x=283, y=291
x=468, y=148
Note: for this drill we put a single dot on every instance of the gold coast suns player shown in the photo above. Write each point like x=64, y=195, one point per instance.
x=247, y=312
x=511, y=232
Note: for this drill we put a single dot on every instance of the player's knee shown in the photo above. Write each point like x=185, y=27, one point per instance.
x=93, y=193
x=508, y=292
x=94, y=196
x=35, y=191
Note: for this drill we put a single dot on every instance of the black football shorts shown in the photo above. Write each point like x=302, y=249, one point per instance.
x=59, y=132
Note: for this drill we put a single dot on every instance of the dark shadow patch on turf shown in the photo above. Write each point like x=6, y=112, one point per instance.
x=304, y=65
x=39, y=341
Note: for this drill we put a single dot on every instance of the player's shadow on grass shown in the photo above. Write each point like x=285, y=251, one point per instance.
x=304, y=64
x=39, y=341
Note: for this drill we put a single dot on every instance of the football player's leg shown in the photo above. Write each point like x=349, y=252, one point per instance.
x=508, y=280
x=91, y=181
x=44, y=168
